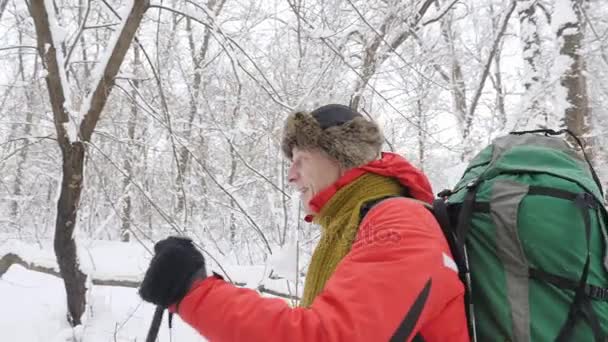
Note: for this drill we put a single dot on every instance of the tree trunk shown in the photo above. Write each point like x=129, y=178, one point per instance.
x=528, y=22
x=457, y=84
x=577, y=116
x=231, y=179
x=84, y=55
x=497, y=79
x=421, y=123
x=64, y=244
x=198, y=58
x=3, y=4
x=125, y=229
x=27, y=130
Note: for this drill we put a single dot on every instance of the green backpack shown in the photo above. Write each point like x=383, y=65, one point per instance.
x=534, y=259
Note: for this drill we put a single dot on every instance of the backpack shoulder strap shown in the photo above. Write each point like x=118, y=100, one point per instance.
x=367, y=206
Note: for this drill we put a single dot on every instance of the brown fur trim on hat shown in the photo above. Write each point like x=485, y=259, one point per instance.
x=352, y=144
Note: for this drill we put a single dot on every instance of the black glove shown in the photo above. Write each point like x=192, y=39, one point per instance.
x=173, y=269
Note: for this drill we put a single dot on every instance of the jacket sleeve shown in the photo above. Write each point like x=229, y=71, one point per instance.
x=395, y=272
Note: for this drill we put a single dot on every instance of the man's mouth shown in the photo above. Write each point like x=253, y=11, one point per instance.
x=303, y=190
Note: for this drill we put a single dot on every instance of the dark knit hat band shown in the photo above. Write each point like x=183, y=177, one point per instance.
x=342, y=133
x=333, y=115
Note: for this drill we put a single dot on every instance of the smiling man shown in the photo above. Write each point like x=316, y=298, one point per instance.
x=382, y=270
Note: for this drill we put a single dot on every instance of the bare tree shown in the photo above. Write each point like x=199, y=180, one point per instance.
x=73, y=148
x=127, y=209
x=27, y=130
x=199, y=58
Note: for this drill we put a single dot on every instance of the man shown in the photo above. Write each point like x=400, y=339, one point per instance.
x=382, y=269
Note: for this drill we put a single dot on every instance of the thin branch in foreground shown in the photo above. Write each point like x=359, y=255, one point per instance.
x=13, y=259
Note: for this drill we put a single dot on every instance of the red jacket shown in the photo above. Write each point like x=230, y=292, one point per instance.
x=399, y=271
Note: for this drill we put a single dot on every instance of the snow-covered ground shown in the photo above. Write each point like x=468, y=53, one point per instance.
x=33, y=309
x=33, y=304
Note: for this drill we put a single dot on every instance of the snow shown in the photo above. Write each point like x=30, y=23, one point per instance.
x=320, y=33
x=562, y=14
x=71, y=129
x=113, y=313
x=283, y=261
x=117, y=314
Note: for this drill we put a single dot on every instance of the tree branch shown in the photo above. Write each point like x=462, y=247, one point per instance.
x=98, y=97
x=54, y=78
x=490, y=59
x=80, y=30
x=406, y=33
x=3, y=4
x=17, y=47
x=442, y=14
x=263, y=289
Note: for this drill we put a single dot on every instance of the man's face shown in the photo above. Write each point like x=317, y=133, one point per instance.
x=310, y=172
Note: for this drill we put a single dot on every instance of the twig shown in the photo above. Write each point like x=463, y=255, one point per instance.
x=442, y=14
x=263, y=289
x=18, y=47
x=597, y=36
x=490, y=59
x=334, y=49
x=80, y=30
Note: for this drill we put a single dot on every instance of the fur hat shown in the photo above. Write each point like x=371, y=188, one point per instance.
x=342, y=133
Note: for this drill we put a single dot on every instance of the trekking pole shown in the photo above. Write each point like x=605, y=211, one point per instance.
x=155, y=325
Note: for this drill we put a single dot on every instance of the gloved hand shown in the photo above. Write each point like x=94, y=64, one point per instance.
x=173, y=269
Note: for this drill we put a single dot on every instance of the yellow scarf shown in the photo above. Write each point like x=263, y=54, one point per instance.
x=339, y=220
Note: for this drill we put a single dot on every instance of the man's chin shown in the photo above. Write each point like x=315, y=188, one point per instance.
x=305, y=206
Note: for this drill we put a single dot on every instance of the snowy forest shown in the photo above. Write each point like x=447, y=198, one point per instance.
x=125, y=121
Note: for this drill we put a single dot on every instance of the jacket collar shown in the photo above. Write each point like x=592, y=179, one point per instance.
x=389, y=165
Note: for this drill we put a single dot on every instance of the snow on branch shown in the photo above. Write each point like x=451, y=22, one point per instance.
x=49, y=40
x=38, y=261
x=71, y=125
x=108, y=67
x=11, y=259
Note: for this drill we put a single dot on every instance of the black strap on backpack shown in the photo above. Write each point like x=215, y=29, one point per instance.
x=584, y=293
x=440, y=212
x=581, y=305
x=459, y=251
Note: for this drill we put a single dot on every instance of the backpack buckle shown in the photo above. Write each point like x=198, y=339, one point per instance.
x=587, y=199
x=473, y=183
x=445, y=193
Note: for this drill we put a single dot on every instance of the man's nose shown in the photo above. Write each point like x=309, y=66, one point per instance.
x=292, y=174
